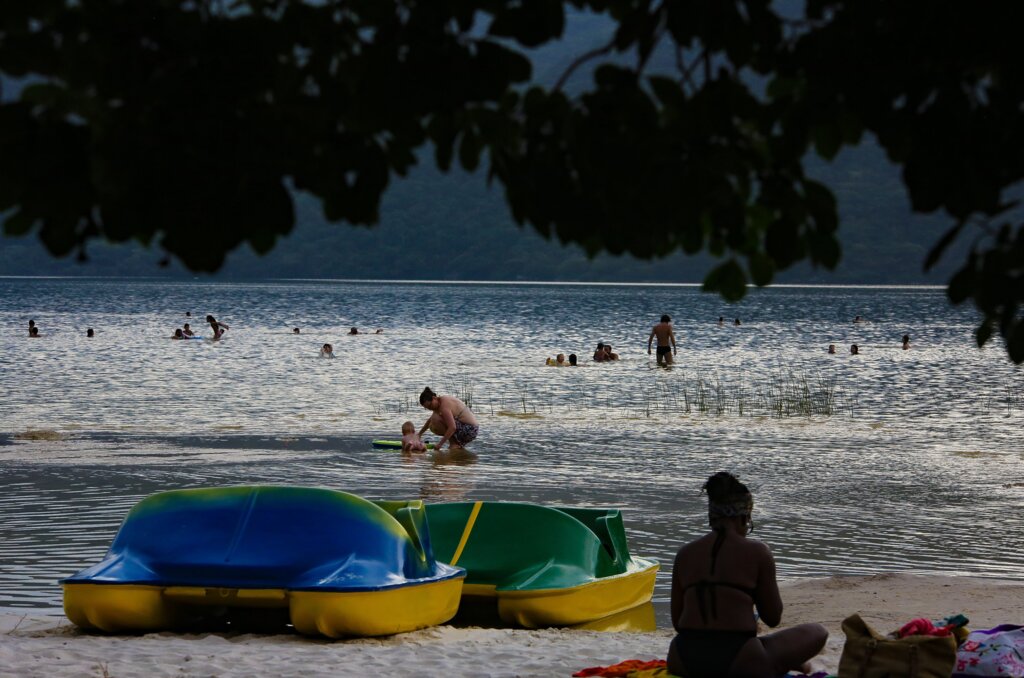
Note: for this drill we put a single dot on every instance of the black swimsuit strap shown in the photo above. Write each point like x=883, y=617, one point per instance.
x=719, y=538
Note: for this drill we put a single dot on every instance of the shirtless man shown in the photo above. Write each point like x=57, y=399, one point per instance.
x=666, y=340
x=451, y=419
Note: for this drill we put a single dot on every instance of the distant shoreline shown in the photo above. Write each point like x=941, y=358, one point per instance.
x=524, y=283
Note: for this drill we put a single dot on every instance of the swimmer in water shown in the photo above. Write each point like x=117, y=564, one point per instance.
x=178, y=334
x=854, y=350
x=832, y=348
x=219, y=327
x=296, y=331
x=327, y=351
x=89, y=332
x=906, y=342
x=354, y=330
x=572, y=359
x=33, y=332
x=187, y=331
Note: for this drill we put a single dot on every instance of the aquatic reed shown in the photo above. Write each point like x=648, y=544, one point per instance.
x=779, y=393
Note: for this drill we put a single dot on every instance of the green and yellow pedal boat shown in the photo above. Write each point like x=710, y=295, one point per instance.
x=542, y=566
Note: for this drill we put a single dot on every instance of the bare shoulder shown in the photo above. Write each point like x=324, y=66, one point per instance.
x=758, y=549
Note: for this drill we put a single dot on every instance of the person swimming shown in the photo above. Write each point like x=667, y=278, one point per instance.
x=178, y=334
x=187, y=331
x=906, y=342
x=572, y=359
x=354, y=330
x=327, y=351
x=832, y=348
x=854, y=350
x=219, y=327
x=296, y=330
x=89, y=332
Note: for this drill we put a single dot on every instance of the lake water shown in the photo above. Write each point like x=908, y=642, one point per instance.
x=888, y=461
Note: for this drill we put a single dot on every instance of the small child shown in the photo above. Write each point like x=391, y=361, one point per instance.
x=327, y=351
x=410, y=439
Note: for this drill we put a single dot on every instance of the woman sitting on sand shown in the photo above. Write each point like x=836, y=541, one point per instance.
x=451, y=419
x=716, y=581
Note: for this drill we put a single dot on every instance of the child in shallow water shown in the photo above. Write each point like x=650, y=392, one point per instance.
x=327, y=351
x=410, y=439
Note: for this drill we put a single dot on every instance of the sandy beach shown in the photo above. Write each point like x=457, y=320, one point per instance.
x=36, y=644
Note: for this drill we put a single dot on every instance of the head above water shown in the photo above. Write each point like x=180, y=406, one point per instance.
x=572, y=358
x=354, y=330
x=600, y=346
x=831, y=348
x=666, y=319
x=178, y=333
x=296, y=330
x=427, y=398
x=408, y=427
x=328, y=348
x=906, y=338
x=90, y=333
x=728, y=499
x=854, y=350
x=210, y=319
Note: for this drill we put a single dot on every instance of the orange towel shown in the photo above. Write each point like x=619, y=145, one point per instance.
x=622, y=669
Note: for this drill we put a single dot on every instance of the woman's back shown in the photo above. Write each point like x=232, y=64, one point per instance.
x=724, y=598
x=717, y=581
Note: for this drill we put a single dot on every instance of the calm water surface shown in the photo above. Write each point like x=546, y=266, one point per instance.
x=889, y=461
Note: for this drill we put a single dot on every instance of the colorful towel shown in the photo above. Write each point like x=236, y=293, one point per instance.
x=657, y=668
x=624, y=669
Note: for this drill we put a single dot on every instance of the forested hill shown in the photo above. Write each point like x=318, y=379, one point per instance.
x=452, y=227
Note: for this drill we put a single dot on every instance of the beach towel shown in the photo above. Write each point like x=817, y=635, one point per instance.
x=623, y=669
x=992, y=652
x=638, y=668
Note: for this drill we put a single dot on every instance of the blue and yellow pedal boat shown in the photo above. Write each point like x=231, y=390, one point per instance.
x=544, y=566
x=337, y=564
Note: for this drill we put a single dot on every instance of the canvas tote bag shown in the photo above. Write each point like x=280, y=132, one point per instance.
x=868, y=654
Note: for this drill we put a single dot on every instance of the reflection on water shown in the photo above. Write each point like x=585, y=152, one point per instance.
x=915, y=466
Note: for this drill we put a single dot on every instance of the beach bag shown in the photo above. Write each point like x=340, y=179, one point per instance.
x=868, y=654
x=994, y=652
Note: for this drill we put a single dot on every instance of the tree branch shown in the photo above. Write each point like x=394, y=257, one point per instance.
x=582, y=59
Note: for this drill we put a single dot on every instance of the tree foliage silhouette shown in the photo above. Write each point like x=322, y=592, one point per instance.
x=186, y=123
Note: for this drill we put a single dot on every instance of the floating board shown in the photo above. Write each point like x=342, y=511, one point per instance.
x=393, y=445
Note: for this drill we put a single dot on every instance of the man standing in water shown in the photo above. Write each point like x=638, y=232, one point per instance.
x=666, y=340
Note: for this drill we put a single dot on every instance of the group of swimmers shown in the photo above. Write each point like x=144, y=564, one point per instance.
x=185, y=332
x=667, y=348
x=855, y=350
x=33, y=331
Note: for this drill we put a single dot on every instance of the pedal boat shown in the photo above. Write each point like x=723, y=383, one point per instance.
x=336, y=564
x=542, y=566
